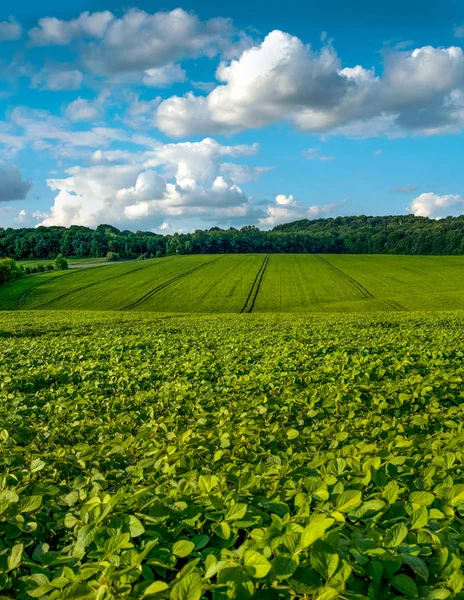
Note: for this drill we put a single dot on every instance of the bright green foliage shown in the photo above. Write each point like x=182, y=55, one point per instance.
x=231, y=457
x=60, y=263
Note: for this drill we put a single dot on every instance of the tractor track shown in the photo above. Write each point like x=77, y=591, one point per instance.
x=254, y=290
x=160, y=287
x=364, y=291
x=90, y=285
x=22, y=299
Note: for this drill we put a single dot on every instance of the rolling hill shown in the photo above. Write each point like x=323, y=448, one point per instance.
x=249, y=283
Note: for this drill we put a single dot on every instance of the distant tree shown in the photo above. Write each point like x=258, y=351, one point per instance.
x=9, y=270
x=61, y=263
x=112, y=257
x=159, y=254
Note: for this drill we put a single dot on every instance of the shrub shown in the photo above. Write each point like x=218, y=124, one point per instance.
x=112, y=257
x=50, y=267
x=159, y=254
x=41, y=268
x=9, y=270
x=60, y=262
x=27, y=270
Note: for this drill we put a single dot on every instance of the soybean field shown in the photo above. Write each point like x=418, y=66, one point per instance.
x=226, y=457
x=245, y=283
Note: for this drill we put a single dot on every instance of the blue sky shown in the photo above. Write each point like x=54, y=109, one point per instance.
x=172, y=117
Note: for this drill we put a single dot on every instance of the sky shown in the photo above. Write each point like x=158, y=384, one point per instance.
x=173, y=117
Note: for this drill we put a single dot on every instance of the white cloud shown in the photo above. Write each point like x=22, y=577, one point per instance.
x=164, y=76
x=12, y=185
x=242, y=173
x=53, y=31
x=84, y=110
x=169, y=181
x=377, y=153
x=29, y=219
x=10, y=30
x=435, y=206
x=420, y=91
x=57, y=80
x=45, y=131
x=405, y=189
x=286, y=208
x=138, y=41
x=314, y=154
x=139, y=114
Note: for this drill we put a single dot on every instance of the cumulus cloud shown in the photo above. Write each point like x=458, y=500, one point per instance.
x=168, y=181
x=84, y=110
x=164, y=76
x=420, y=91
x=286, y=208
x=53, y=31
x=10, y=30
x=12, y=185
x=314, y=154
x=242, y=173
x=57, y=80
x=27, y=218
x=435, y=206
x=138, y=41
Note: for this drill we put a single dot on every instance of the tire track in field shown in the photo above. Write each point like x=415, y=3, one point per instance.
x=90, y=285
x=160, y=287
x=364, y=291
x=254, y=290
x=22, y=299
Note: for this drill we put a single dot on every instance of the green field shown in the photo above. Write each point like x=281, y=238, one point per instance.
x=250, y=283
x=230, y=456
x=34, y=262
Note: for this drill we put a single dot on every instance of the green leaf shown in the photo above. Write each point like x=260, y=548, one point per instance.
x=419, y=518
x=37, y=464
x=236, y=512
x=456, y=494
x=318, y=524
x=14, y=559
x=390, y=492
x=30, y=504
x=188, y=588
x=395, y=535
x=183, y=548
x=405, y=585
x=348, y=499
x=417, y=565
x=324, y=560
x=155, y=588
x=256, y=564
x=285, y=566
x=421, y=498
x=292, y=434
x=135, y=527
x=222, y=530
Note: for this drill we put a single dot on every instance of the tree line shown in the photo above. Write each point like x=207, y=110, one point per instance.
x=342, y=235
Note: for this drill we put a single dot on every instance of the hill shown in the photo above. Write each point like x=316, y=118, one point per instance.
x=246, y=283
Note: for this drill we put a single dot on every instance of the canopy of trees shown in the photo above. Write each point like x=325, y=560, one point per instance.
x=351, y=235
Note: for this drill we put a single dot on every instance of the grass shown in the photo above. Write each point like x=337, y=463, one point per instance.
x=34, y=262
x=148, y=455
x=250, y=283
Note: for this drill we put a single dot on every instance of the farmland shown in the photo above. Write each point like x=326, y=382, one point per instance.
x=250, y=283
x=231, y=456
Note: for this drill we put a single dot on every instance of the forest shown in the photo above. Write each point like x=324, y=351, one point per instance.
x=341, y=235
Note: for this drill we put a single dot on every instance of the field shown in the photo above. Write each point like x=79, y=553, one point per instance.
x=231, y=456
x=247, y=283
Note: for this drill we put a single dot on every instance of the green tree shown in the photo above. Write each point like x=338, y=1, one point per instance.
x=60, y=262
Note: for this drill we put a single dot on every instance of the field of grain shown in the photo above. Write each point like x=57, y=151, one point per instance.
x=244, y=283
x=231, y=457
